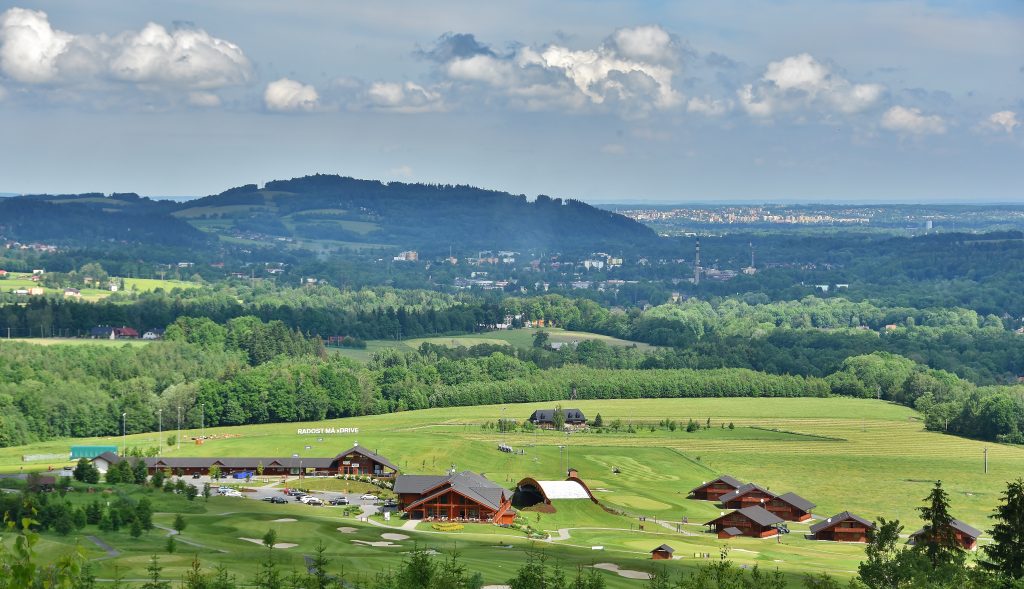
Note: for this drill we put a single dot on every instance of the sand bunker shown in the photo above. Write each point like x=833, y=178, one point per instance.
x=278, y=545
x=347, y=530
x=285, y=520
x=395, y=537
x=614, y=568
x=377, y=544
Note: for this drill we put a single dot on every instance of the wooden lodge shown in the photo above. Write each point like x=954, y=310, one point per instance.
x=965, y=535
x=663, y=552
x=713, y=490
x=545, y=418
x=463, y=496
x=747, y=495
x=753, y=521
x=790, y=507
x=842, y=527
x=354, y=461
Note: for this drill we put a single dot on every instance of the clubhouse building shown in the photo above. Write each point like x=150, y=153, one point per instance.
x=462, y=496
x=356, y=461
x=733, y=494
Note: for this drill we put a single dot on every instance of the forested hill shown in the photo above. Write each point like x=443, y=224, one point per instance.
x=426, y=217
x=87, y=219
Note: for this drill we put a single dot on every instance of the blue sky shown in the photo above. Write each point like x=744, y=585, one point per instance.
x=599, y=100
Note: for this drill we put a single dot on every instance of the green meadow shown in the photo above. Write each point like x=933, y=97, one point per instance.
x=520, y=338
x=866, y=456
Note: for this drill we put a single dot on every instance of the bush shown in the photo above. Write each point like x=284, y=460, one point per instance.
x=447, y=527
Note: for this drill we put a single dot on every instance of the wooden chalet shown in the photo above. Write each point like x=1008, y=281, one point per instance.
x=713, y=490
x=463, y=496
x=663, y=552
x=354, y=461
x=966, y=536
x=746, y=496
x=790, y=507
x=753, y=521
x=842, y=527
x=545, y=418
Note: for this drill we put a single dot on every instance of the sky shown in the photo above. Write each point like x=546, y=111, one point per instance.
x=600, y=100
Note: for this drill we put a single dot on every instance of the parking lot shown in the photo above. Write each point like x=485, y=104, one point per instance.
x=261, y=491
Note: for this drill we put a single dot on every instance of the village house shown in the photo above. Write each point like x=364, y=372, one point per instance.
x=713, y=490
x=965, y=535
x=545, y=418
x=753, y=521
x=463, y=496
x=72, y=293
x=663, y=552
x=790, y=506
x=747, y=495
x=842, y=527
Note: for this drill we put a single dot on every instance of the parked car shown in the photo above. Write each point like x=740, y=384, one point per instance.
x=300, y=496
x=277, y=499
x=339, y=501
x=267, y=499
x=231, y=493
x=368, y=497
x=314, y=501
x=196, y=475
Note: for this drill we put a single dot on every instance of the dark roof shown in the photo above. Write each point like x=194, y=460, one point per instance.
x=549, y=415
x=733, y=531
x=664, y=548
x=417, y=483
x=372, y=456
x=957, y=525
x=756, y=514
x=797, y=501
x=474, y=486
x=743, y=491
x=837, y=518
x=734, y=483
x=110, y=457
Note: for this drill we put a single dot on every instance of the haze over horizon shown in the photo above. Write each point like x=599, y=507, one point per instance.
x=738, y=102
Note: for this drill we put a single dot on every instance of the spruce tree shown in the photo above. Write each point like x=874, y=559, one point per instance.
x=1006, y=554
x=937, y=540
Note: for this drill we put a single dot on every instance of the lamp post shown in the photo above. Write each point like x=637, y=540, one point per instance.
x=124, y=434
x=159, y=430
x=202, y=420
x=179, y=427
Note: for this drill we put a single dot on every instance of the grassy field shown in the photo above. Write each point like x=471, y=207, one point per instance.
x=870, y=457
x=521, y=338
x=65, y=341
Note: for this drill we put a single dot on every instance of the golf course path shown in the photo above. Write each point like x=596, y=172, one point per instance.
x=110, y=550
x=173, y=532
x=563, y=534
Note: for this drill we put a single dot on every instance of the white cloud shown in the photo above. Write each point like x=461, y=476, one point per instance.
x=481, y=68
x=630, y=72
x=405, y=98
x=186, y=57
x=32, y=52
x=402, y=171
x=801, y=81
x=651, y=43
x=1004, y=121
x=29, y=46
x=203, y=99
x=3, y=93
x=708, y=106
x=902, y=119
x=289, y=95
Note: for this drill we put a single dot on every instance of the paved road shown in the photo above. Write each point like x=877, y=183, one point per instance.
x=110, y=550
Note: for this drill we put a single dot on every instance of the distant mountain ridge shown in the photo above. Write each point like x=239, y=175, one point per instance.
x=334, y=211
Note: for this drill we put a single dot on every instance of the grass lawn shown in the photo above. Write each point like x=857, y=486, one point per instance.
x=870, y=457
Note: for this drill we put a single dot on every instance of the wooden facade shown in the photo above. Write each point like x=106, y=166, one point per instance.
x=714, y=490
x=754, y=522
x=790, y=507
x=464, y=496
x=844, y=527
x=747, y=496
x=966, y=536
x=663, y=552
